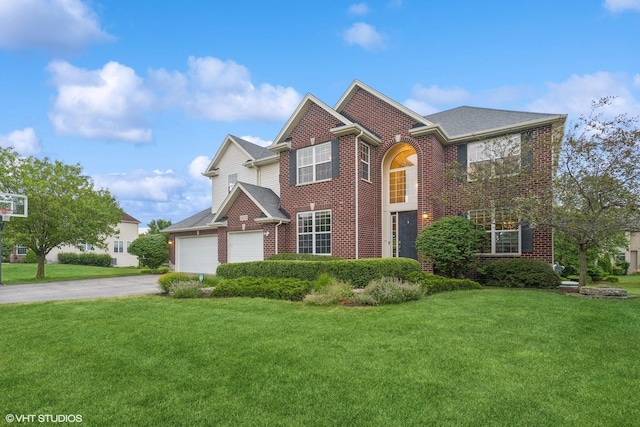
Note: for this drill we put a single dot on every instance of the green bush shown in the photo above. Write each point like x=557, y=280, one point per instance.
x=302, y=257
x=596, y=273
x=161, y=270
x=612, y=279
x=85, y=258
x=30, y=257
x=166, y=280
x=186, y=288
x=518, y=273
x=357, y=273
x=451, y=245
x=604, y=262
x=286, y=289
x=431, y=283
x=391, y=290
x=331, y=294
x=152, y=250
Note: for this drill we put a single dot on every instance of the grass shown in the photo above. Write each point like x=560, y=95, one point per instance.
x=630, y=283
x=472, y=358
x=25, y=273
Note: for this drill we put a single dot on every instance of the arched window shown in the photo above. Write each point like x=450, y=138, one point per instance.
x=403, y=177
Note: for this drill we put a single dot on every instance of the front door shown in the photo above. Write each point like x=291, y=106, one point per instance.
x=405, y=227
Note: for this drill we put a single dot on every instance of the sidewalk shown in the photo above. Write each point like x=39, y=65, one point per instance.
x=80, y=289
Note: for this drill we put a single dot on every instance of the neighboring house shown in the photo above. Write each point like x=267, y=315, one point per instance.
x=117, y=245
x=357, y=181
x=630, y=254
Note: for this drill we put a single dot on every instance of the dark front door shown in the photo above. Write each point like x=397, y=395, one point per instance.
x=407, y=232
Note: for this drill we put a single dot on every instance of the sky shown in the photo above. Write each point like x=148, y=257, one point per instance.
x=142, y=93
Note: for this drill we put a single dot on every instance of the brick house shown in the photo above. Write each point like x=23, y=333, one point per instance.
x=356, y=181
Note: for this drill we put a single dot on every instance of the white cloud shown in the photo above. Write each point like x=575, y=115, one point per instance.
x=424, y=100
x=364, y=35
x=222, y=90
x=141, y=185
x=359, y=9
x=25, y=141
x=197, y=166
x=622, y=5
x=257, y=140
x=56, y=25
x=108, y=103
x=576, y=94
x=636, y=80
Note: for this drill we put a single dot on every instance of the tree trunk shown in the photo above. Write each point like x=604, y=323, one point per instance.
x=583, y=266
x=40, y=271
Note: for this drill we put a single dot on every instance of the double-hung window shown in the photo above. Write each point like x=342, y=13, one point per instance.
x=118, y=246
x=503, y=229
x=314, y=232
x=314, y=163
x=494, y=153
x=365, y=161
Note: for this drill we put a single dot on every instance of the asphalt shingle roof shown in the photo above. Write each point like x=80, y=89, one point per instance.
x=267, y=199
x=201, y=219
x=465, y=120
x=254, y=150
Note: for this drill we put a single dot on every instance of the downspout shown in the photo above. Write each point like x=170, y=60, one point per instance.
x=357, y=170
x=277, y=225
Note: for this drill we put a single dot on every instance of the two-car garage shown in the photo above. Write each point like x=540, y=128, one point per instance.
x=199, y=254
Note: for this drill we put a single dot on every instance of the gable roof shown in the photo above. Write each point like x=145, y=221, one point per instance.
x=264, y=198
x=466, y=120
x=253, y=151
x=198, y=221
x=128, y=218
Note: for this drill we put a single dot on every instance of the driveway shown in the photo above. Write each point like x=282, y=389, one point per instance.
x=80, y=289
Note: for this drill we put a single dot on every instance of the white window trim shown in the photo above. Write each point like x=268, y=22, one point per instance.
x=367, y=149
x=492, y=234
x=488, y=153
x=232, y=178
x=314, y=233
x=314, y=164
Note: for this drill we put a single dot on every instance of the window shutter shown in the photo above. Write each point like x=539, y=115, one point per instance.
x=526, y=151
x=335, y=158
x=526, y=233
x=462, y=159
x=293, y=172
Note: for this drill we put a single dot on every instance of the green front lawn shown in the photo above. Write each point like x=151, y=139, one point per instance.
x=25, y=273
x=472, y=358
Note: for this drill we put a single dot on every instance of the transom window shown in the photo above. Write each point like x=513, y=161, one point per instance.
x=314, y=163
x=314, y=232
x=503, y=229
x=365, y=161
x=493, y=153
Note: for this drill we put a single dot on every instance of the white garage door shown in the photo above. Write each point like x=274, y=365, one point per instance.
x=197, y=254
x=246, y=246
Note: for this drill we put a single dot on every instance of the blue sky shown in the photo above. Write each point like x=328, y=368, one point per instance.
x=142, y=93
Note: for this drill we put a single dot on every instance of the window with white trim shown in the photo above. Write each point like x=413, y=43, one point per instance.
x=503, y=229
x=365, y=161
x=231, y=181
x=493, y=152
x=118, y=246
x=21, y=250
x=314, y=232
x=314, y=163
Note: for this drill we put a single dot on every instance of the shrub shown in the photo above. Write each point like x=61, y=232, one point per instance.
x=595, y=272
x=431, y=283
x=357, y=273
x=30, y=257
x=152, y=250
x=287, y=289
x=302, y=257
x=161, y=270
x=166, y=280
x=331, y=294
x=186, y=289
x=518, y=273
x=391, y=290
x=612, y=279
x=451, y=244
x=604, y=262
x=323, y=281
x=85, y=258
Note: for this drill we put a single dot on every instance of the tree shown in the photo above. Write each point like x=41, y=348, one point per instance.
x=156, y=225
x=596, y=192
x=64, y=206
x=151, y=249
x=451, y=244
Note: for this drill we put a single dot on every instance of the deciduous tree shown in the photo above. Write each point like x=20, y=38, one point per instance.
x=64, y=206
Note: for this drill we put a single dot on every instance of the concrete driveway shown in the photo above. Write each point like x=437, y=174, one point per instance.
x=80, y=289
